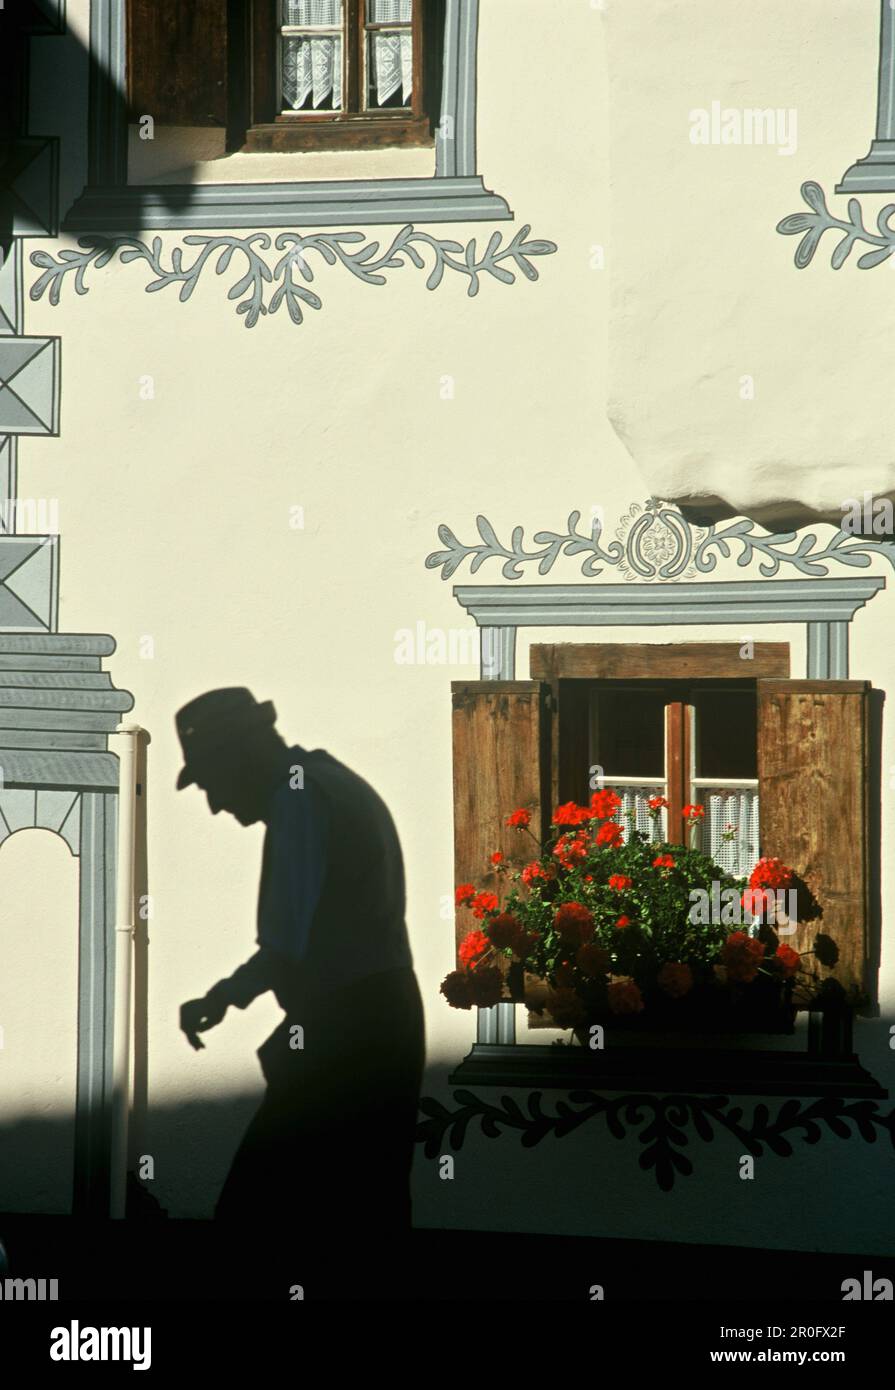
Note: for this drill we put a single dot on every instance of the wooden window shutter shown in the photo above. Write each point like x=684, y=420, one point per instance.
x=501, y=737
x=177, y=61
x=813, y=776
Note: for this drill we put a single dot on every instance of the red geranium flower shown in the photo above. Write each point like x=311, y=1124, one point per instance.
x=473, y=947
x=789, y=959
x=758, y=902
x=624, y=996
x=742, y=956
x=663, y=861
x=657, y=803
x=533, y=871
x=497, y=857
x=482, y=903
x=604, y=804
x=520, y=820
x=770, y=873
x=464, y=894
x=570, y=813
x=693, y=812
x=675, y=978
x=567, y=1008
x=574, y=923
x=610, y=834
x=620, y=882
x=505, y=930
x=570, y=851
x=455, y=988
x=623, y=922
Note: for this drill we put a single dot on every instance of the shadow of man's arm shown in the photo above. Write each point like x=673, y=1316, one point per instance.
x=256, y=976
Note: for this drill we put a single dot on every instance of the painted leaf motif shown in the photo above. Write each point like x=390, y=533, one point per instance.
x=796, y=222
x=814, y=196
x=872, y=258
x=807, y=246
x=842, y=251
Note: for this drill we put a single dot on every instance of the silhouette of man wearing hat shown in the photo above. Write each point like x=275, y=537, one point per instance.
x=325, y=1162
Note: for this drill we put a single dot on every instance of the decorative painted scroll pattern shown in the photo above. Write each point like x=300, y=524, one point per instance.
x=812, y=226
x=292, y=273
x=659, y=1122
x=656, y=543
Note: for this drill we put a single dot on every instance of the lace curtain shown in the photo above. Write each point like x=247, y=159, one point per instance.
x=312, y=67
x=391, y=54
x=636, y=799
x=327, y=13
x=729, y=833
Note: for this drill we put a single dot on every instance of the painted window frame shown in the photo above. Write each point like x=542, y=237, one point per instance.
x=455, y=193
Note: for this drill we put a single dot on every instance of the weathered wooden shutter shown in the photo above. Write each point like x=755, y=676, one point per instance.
x=177, y=61
x=501, y=734
x=813, y=773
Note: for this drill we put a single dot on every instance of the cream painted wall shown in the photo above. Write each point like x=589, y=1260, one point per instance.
x=704, y=289
x=175, y=519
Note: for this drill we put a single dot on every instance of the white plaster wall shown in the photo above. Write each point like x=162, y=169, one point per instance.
x=175, y=526
x=704, y=290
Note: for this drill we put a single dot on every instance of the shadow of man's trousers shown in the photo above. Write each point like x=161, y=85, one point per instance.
x=319, y=1187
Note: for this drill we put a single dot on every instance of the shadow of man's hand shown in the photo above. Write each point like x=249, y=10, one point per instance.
x=197, y=1016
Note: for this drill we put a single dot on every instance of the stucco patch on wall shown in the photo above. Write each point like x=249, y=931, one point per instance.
x=740, y=385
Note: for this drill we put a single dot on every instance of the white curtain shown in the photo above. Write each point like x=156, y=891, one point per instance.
x=312, y=67
x=732, y=813
x=392, y=54
x=310, y=12
x=635, y=799
x=390, y=11
x=393, y=67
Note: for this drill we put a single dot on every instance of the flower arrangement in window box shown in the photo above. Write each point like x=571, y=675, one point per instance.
x=619, y=929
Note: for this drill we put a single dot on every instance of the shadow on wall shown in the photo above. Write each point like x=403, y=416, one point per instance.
x=186, y=1147
x=29, y=163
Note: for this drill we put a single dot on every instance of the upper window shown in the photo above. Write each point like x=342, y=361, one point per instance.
x=272, y=76
x=336, y=74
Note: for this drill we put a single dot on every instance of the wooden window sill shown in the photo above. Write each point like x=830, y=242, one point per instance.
x=297, y=133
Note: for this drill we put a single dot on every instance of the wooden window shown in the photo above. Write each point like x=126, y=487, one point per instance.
x=798, y=747
x=284, y=75
x=343, y=74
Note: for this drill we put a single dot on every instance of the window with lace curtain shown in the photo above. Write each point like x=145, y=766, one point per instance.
x=289, y=75
x=330, y=74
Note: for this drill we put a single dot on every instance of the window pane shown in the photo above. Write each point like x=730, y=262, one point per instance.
x=389, y=11
x=313, y=13
x=312, y=74
x=628, y=732
x=390, y=69
x=726, y=733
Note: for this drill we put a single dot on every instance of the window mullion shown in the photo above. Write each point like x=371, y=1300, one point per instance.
x=354, y=56
x=677, y=745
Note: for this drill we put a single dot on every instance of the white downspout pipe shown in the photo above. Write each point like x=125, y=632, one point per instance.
x=125, y=742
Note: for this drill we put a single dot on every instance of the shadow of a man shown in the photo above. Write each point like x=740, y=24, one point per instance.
x=321, y=1180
